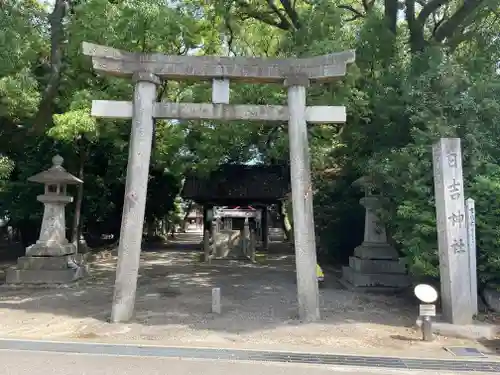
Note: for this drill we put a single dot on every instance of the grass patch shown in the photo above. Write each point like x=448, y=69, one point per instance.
x=261, y=258
x=199, y=257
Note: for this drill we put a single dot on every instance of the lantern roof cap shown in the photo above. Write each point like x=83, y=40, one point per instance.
x=56, y=174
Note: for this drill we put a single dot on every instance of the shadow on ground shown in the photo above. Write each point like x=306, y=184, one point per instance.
x=259, y=305
x=492, y=346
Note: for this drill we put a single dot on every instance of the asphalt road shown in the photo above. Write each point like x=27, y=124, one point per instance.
x=13, y=362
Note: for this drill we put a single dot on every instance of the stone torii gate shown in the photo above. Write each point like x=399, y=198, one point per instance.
x=147, y=71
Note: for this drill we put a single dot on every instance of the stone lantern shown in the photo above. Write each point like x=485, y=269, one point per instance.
x=52, y=259
x=375, y=264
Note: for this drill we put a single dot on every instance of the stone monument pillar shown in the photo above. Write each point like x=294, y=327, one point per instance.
x=375, y=265
x=52, y=259
x=452, y=231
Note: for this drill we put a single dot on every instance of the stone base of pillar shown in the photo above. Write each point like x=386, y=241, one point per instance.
x=39, y=277
x=42, y=249
x=376, y=250
x=47, y=269
x=376, y=268
x=380, y=282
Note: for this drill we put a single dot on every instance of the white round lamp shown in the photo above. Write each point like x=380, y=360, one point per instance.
x=426, y=293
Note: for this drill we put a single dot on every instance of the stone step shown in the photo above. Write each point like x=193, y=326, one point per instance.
x=48, y=263
x=358, y=279
x=378, y=266
x=63, y=276
x=42, y=249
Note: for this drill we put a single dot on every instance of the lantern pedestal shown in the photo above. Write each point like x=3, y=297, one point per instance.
x=52, y=259
x=375, y=265
x=52, y=240
x=44, y=275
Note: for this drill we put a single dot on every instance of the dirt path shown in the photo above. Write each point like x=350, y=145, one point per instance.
x=259, y=310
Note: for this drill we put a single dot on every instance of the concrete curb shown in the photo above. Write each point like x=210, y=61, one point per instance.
x=475, y=331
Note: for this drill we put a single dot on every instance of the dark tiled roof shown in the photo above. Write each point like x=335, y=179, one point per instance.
x=234, y=182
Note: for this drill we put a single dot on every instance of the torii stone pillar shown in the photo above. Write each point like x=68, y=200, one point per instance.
x=134, y=205
x=302, y=200
x=295, y=73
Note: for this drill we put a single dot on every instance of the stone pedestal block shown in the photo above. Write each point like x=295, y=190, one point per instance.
x=48, y=269
x=376, y=264
x=369, y=266
x=378, y=280
x=45, y=276
x=376, y=273
x=49, y=263
x=53, y=250
x=374, y=250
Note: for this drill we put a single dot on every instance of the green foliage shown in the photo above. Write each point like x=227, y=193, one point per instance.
x=22, y=41
x=70, y=125
x=445, y=102
x=411, y=84
x=19, y=96
x=485, y=189
x=6, y=167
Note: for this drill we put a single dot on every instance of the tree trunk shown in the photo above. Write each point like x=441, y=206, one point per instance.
x=57, y=38
x=265, y=228
x=188, y=211
x=150, y=229
x=164, y=226
x=452, y=26
x=416, y=28
x=391, y=14
x=76, y=229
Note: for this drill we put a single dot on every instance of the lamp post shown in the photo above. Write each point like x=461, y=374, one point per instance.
x=427, y=309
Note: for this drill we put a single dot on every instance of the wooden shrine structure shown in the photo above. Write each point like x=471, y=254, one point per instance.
x=258, y=186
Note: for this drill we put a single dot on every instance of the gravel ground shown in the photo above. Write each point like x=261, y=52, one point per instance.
x=258, y=310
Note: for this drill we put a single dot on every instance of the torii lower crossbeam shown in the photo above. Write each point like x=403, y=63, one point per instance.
x=222, y=112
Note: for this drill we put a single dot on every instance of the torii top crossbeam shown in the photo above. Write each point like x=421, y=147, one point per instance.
x=247, y=69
